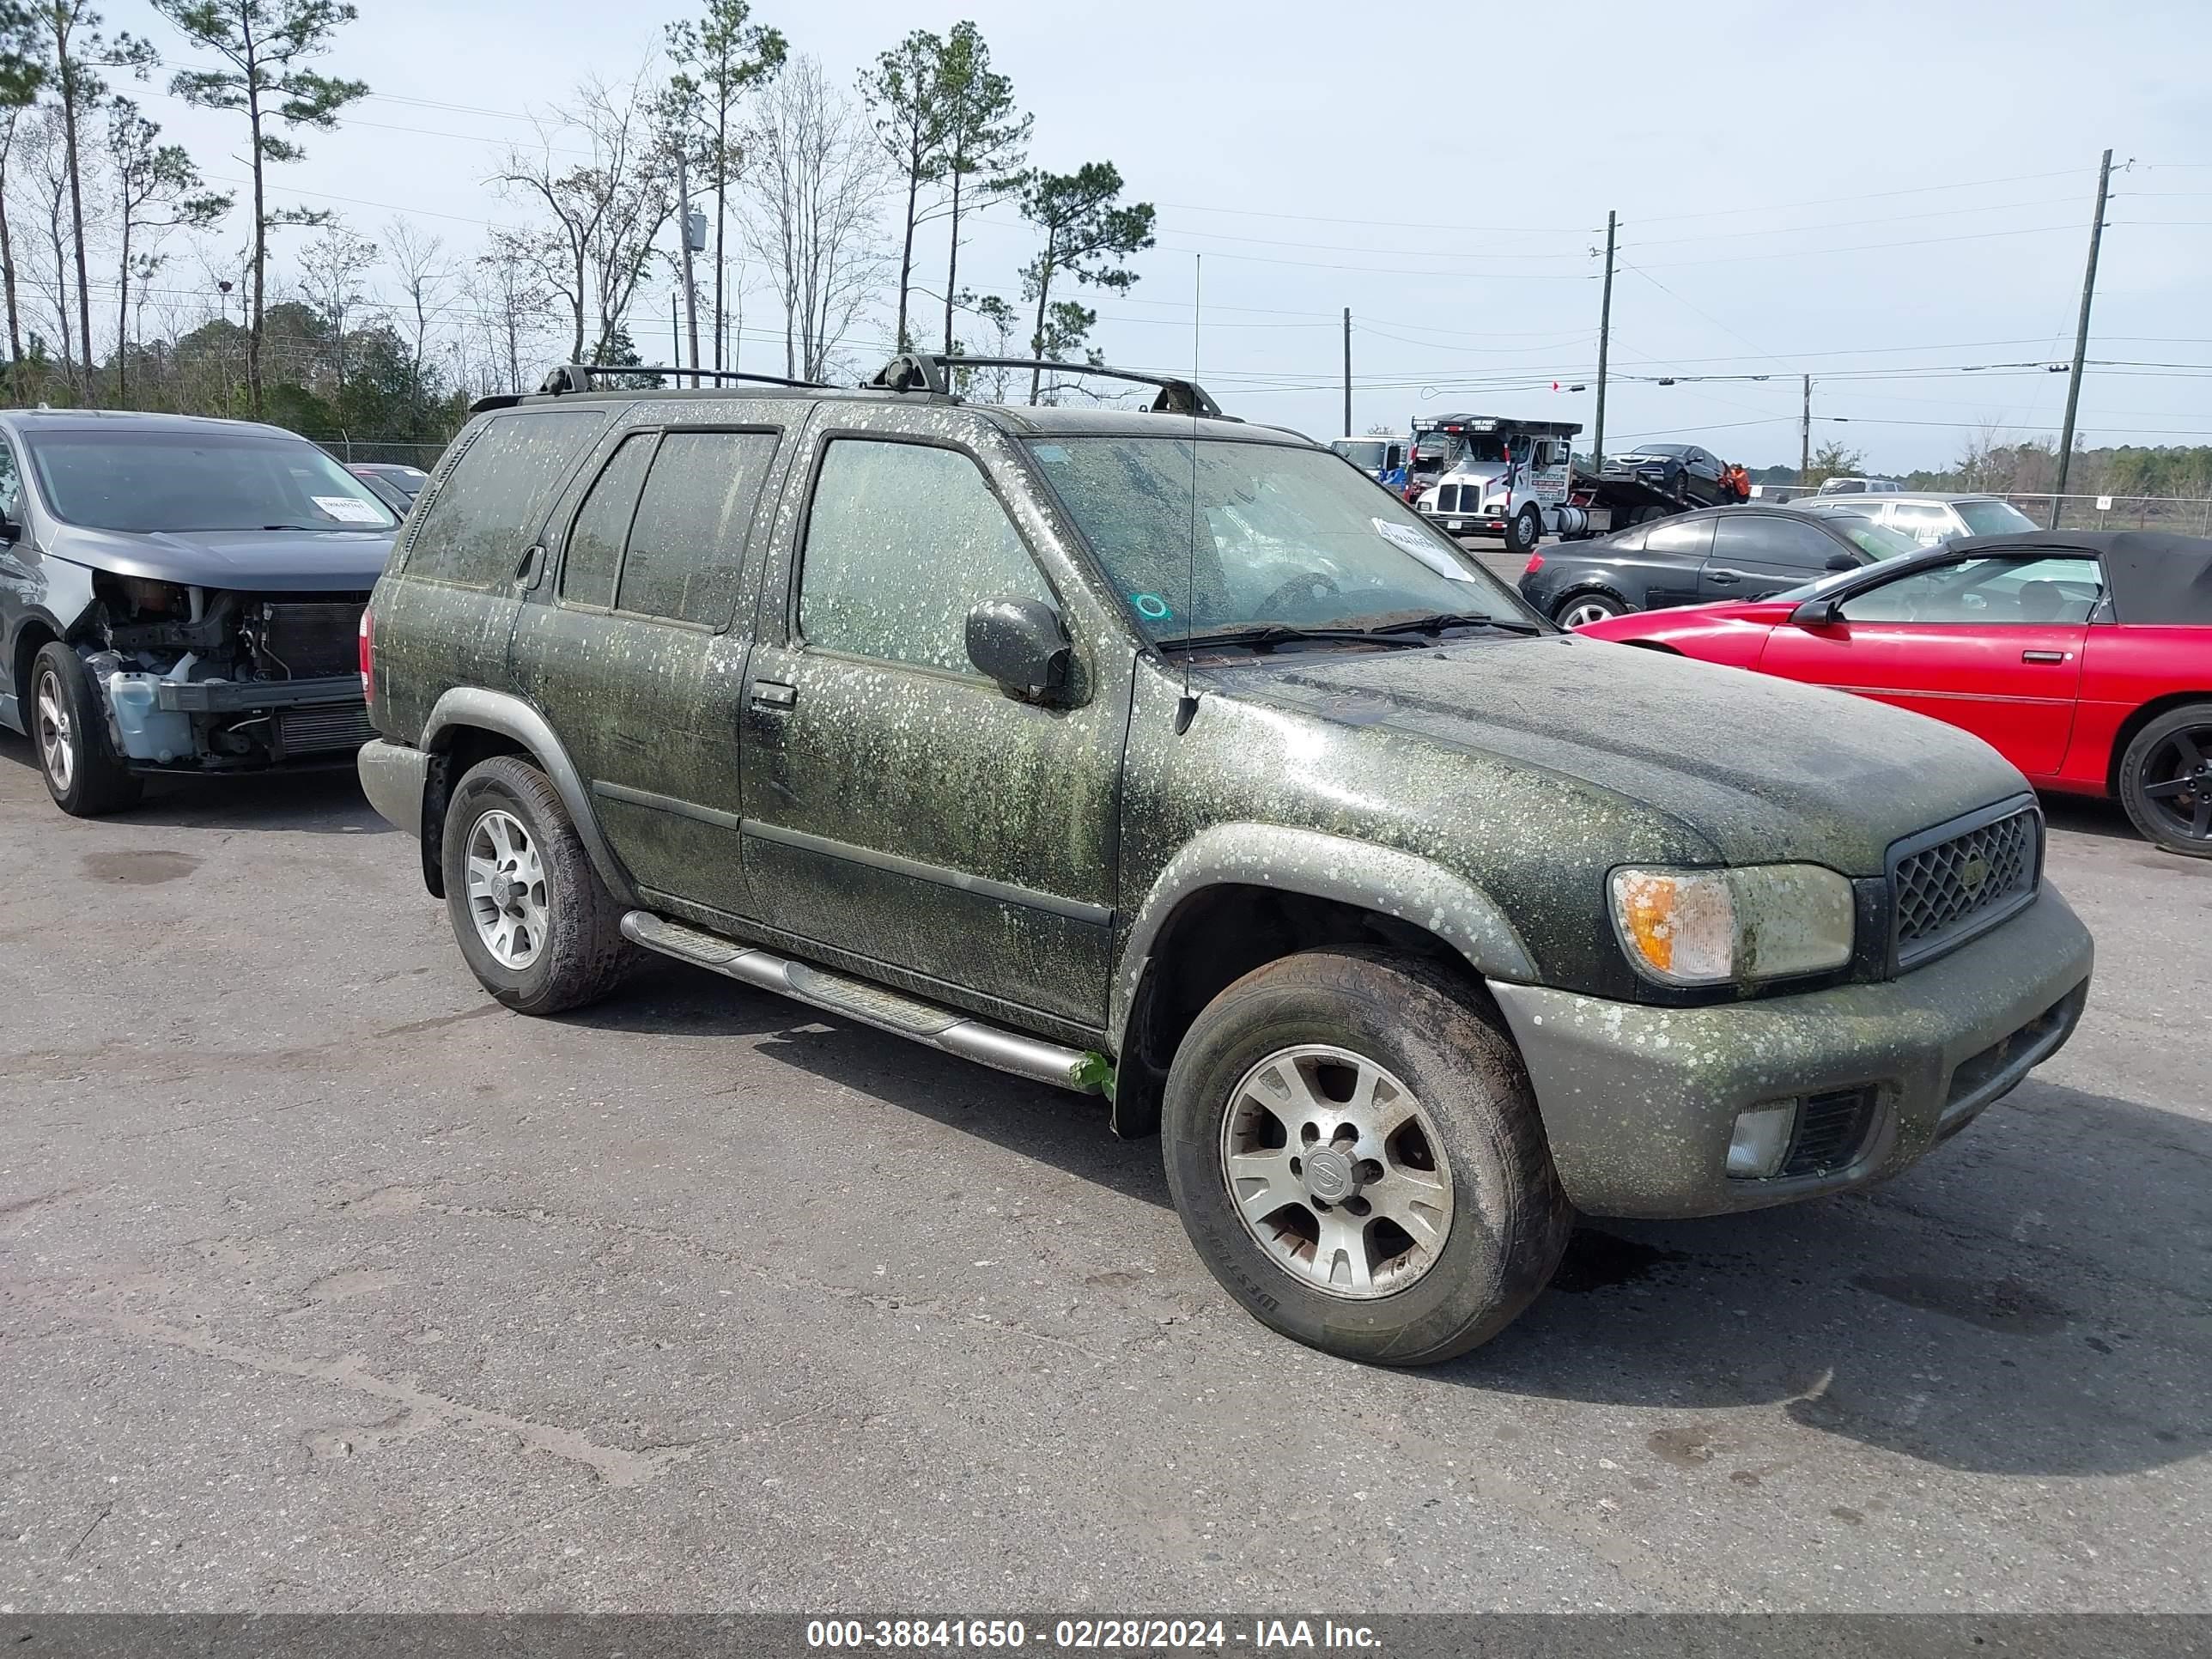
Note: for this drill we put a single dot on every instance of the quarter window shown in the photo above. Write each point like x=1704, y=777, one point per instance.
x=903, y=541
x=595, y=539
x=492, y=504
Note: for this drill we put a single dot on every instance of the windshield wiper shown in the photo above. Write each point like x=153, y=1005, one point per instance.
x=1267, y=635
x=1444, y=619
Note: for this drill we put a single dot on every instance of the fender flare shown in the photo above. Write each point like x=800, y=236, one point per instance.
x=1387, y=879
x=510, y=716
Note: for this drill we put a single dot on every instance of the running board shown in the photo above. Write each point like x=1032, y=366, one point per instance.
x=887, y=1011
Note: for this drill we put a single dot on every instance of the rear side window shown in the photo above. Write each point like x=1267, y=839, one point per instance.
x=595, y=539
x=1691, y=539
x=486, y=513
x=687, y=544
x=903, y=541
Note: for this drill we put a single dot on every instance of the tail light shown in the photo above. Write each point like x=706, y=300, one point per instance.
x=367, y=651
x=1535, y=563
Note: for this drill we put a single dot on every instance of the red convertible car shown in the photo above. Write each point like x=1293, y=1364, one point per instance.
x=2084, y=657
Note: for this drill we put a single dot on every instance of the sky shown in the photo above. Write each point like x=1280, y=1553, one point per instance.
x=1894, y=199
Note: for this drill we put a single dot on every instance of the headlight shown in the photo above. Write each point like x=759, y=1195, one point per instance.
x=1710, y=926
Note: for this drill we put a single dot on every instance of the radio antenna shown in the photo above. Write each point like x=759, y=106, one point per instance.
x=1186, y=705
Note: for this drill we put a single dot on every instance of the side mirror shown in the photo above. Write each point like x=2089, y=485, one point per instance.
x=1842, y=561
x=1018, y=643
x=1817, y=613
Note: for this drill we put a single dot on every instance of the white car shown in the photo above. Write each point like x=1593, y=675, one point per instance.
x=1927, y=518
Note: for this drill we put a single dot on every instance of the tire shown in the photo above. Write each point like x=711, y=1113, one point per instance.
x=1523, y=531
x=562, y=945
x=1580, y=609
x=69, y=730
x=1505, y=1219
x=2165, y=781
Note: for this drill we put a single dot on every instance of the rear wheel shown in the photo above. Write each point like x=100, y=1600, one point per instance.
x=1581, y=609
x=2165, y=780
x=69, y=725
x=1523, y=531
x=1354, y=1150
x=538, y=926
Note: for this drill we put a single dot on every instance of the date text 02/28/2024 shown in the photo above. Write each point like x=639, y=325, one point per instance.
x=1107, y=1635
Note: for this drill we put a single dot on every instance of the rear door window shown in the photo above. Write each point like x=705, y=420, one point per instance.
x=486, y=514
x=1923, y=521
x=602, y=525
x=686, y=542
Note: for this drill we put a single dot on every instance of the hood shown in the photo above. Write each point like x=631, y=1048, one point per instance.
x=1761, y=769
x=1485, y=473
x=249, y=560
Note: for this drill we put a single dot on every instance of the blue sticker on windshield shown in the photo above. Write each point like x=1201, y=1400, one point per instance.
x=1150, y=606
x=1049, y=452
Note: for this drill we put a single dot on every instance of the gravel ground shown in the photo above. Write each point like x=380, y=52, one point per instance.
x=328, y=1283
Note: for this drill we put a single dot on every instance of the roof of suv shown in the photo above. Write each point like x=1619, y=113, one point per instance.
x=52, y=420
x=1845, y=503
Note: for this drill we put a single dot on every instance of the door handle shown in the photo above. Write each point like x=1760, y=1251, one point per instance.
x=526, y=573
x=773, y=694
x=1722, y=578
x=2045, y=656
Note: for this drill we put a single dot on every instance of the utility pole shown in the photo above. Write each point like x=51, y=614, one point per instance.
x=1347, y=372
x=2080, y=340
x=1805, y=437
x=675, y=334
x=1604, y=342
x=684, y=231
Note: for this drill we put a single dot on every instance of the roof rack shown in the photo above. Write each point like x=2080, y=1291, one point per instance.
x=577, y=377
x=920, y=372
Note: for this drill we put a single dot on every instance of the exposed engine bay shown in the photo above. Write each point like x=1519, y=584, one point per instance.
x=206, y=679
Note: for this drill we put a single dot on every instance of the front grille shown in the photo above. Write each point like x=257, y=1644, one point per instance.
x=1946, y=893
x=1446, y=498
x=1831, y=1128
x=322, y=726
x=309, y=641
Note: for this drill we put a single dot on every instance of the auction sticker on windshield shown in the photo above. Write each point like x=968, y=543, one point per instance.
x=346, y=510
x=1407, y=539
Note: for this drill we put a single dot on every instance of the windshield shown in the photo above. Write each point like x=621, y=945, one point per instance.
x=199, y=481
x=1993, y=518
x=1366, y=453
x=1286, y=535
x=1661, y=449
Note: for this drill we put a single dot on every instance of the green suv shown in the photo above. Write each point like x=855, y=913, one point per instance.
x=1155, y=754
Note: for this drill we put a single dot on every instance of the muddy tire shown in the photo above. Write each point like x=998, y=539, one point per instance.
x=538, y=926
x=69, y=731
x=2165, y=781
x=1354, y=1150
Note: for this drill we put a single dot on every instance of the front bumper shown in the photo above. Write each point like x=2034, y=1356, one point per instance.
x=1639, y=1102
x=394, y=778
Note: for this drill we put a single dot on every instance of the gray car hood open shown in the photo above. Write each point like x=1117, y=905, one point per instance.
x=249, y=560
x=1762, y=769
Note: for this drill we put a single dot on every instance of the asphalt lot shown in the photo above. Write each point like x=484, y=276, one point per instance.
x=330, y=1285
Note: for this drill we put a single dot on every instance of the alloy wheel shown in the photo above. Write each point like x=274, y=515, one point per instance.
x=1337, y=1171
x=2176, y=782
x=507, y=890
x=1583, y=612
x=55, y=732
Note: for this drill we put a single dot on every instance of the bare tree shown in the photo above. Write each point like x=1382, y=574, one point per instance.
x=45, y=170
x=332, y=268
x=157, y=189
x=720, y=59
x=817, y=170
x=512, y=305
x=605, y=212
x=418, y=259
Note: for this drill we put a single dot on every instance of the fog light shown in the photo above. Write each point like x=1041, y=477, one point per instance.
x=1761, y=1140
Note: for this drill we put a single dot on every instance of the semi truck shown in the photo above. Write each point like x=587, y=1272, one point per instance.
x=1503, y=474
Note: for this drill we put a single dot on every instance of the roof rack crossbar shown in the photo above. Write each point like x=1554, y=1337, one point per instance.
x=577, y=377
x=920, y=372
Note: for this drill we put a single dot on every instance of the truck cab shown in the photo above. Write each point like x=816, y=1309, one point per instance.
x=1380, y=459
x=1505, y=476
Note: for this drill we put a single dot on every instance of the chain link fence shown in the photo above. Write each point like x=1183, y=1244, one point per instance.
x=2183, y=516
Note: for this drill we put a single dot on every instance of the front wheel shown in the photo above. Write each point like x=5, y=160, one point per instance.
x=2165, y=780
x=68, y=724
x=1581, y=609
x=1354, y=1150
x=537, y=926
x=1523, y=530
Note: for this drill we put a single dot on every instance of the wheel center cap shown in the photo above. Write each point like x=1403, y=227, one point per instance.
x=1330, y=1176
x=505, y=889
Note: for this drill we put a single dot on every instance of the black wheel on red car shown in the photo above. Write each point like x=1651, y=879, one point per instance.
x=2165, y=780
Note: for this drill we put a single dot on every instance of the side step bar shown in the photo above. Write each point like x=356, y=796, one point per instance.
x=887, y=1011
